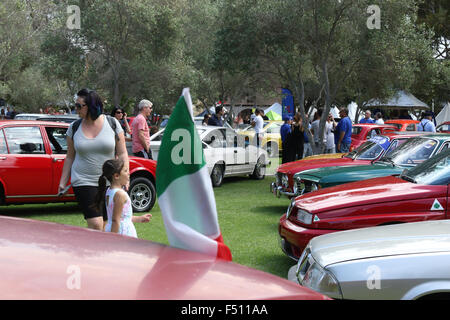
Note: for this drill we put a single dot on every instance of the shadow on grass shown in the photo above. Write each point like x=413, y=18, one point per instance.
x=272, y=210
x=278, y=264
x=28, y=210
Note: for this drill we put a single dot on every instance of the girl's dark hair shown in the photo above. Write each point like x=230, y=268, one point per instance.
x=114, y=110
x=110, y=167
x=93, y=102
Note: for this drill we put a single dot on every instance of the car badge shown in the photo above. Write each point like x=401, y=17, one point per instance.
x=436, y=205
x=316, y=219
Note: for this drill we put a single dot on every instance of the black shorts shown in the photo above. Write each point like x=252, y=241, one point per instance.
x=86, y=197
x=144, y=154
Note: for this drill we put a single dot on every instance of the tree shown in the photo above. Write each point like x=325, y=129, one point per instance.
x=113, y=39
x=322, y=46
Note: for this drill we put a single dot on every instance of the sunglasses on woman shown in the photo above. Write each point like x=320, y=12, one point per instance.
x=79, y=106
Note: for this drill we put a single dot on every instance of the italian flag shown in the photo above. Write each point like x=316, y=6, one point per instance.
x=184, y=189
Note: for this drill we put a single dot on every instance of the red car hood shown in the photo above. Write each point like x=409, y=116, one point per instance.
x=41, y=260
x=136, y=162
x=292, y=168
x=366, y=192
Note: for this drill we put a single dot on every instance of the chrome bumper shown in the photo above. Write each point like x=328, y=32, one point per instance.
x=278, y=191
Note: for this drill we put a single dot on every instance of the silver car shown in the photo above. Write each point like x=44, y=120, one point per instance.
x=399, y=262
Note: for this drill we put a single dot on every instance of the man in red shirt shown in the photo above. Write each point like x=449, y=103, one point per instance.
x=140, y=132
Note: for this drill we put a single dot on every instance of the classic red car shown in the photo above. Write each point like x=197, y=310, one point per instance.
x=363, y=155
x=443, y=127
x=364, y=131
x=422, y=193
x=32, y=155
x=402, y=124
x=49, y=261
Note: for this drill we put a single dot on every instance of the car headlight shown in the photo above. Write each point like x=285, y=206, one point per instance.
x=285, y=181
x=304, y=216
x=320, y=280
x=314, y=186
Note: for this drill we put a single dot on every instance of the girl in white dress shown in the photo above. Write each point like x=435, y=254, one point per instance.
x=117, y=200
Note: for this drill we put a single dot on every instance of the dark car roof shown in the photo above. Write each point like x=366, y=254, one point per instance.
x=42, y=260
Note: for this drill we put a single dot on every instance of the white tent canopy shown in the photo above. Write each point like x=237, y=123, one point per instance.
x=402, y=99
x=276, y=107
x=444, y=115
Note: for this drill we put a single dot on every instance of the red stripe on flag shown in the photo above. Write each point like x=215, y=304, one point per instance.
x=223, y=252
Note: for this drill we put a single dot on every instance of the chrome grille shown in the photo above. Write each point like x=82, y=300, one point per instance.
x=278, y=178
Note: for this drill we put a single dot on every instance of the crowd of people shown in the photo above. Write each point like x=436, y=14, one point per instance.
x=296, y=143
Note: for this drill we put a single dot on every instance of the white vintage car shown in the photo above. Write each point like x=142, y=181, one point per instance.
x=226, y=153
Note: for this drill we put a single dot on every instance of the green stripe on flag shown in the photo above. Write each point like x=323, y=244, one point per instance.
x=181, y=151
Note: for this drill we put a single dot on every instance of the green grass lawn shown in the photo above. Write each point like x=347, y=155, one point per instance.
x=248, y=218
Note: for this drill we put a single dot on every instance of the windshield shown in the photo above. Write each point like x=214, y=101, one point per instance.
x=412, y=152
x=397, y=125
x=435, y=171
x=356, y=130
x=369, y=150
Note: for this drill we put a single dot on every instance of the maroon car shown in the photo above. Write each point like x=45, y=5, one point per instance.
x=47, y=261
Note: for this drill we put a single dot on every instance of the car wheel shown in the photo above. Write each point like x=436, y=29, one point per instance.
x=260, y=169
x=217, y=175
x=142, y=194
x=2, y=195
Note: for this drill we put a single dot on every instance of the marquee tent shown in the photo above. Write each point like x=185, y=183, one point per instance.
x=402, y=99
x=444, y=115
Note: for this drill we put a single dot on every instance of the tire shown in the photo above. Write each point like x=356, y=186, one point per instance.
x=142, y=194
x=217, y=175
x=260, y=169
x=2, y=195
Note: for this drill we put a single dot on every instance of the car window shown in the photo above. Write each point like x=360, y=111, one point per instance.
x=57, y=137
x=445, y=147
x=411, y=127
x=24, y=140
x=369, y=150
x=444, y=127
x=435, y=171
x=3, y=148
x=232, y=139
x=394, y=145
x=215, y=139
x=158, y=137
x=397, y=125
x=372, y=133
x=413, y=151
x=356, y=130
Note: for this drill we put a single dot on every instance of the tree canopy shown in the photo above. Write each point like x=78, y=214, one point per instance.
x=328, y=52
